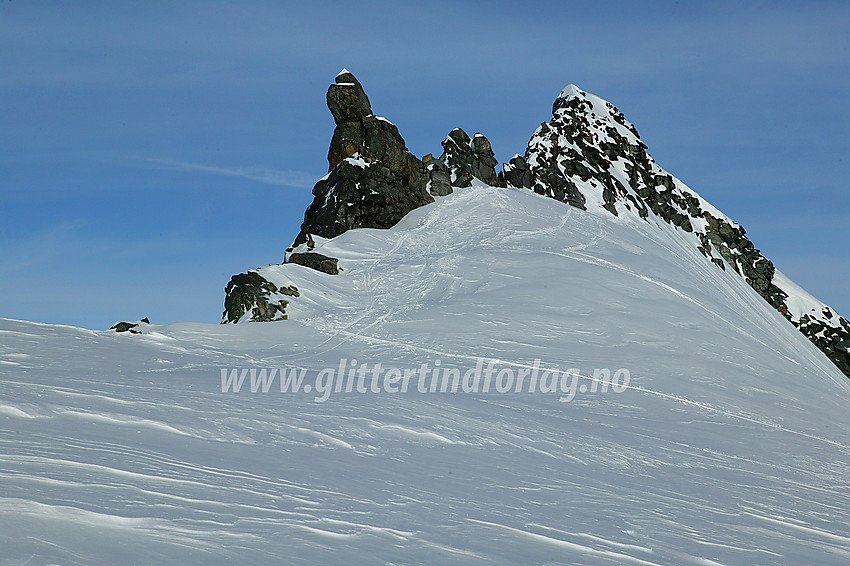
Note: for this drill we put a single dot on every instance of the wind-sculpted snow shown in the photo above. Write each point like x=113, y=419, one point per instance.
x=729, y=445
x=589, y=156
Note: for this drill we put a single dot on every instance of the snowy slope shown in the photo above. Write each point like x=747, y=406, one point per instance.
x=729, y=445
x=590, y=156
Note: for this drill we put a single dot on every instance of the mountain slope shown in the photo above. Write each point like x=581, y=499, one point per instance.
x=729, y=444
x=587, y=155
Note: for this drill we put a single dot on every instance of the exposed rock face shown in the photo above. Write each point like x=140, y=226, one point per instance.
x=517, y=174
x=731, y=243
x=251, y=293
x=373, y=181
x=439, y=181
x=131, y=327
x=319, y=262
x=347, y=100
x=467, y=158
x=589, y=156
x=830, y=333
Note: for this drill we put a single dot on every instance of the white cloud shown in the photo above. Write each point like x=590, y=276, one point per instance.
x=269, y=176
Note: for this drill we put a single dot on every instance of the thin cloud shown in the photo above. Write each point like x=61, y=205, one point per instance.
x=288, y=178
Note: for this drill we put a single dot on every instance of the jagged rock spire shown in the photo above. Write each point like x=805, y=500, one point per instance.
x=373, y=179
x=469, y=158
x=347, y=100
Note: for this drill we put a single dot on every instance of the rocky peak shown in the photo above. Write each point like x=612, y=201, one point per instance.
x=373, y=180
x=588, y=155
x=349, y=105
x=468, y=158
x=572, y=97
x=347, y=100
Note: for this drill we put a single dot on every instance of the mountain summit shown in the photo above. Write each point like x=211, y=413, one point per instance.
x=573, y=368
x=588, y=156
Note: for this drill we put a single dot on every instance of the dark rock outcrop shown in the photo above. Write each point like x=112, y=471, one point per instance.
x=319, y=262
x=251, y=292
x=361, y=194
x=517, y=174
x=131, y=327
x=830, y=333
x=373, y=180
x=439, y=182
x=467, y=158
x=347, y=100
x=731, y=243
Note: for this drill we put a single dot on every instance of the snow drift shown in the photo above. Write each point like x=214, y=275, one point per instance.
x=729, y=445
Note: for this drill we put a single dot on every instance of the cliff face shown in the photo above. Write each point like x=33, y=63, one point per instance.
x=372, y=181
x=588, y=156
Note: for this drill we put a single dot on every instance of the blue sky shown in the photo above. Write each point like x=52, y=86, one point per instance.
x=149, y=151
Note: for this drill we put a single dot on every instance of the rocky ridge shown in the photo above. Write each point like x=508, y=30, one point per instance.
x=587, y=156
x=373, y=181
